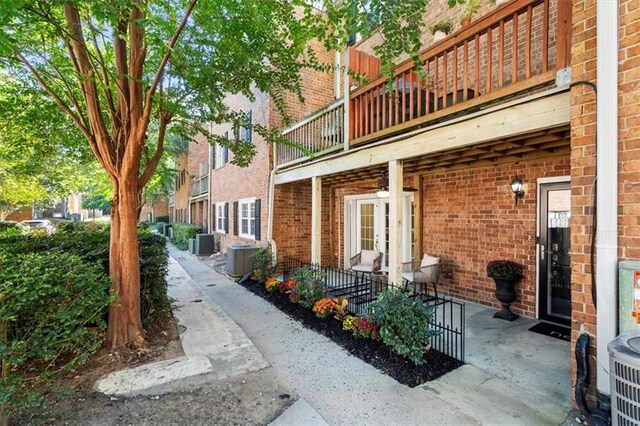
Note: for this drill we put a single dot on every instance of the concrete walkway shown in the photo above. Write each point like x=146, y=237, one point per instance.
x=228, y=331
x=346, y=390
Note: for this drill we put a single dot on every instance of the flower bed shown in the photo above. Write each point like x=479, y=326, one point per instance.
x=373, y=352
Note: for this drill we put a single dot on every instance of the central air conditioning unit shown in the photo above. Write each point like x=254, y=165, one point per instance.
x=624, y=364
x=206, y=244
x=238, y=259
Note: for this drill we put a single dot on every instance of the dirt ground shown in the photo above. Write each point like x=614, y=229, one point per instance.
x=250, y=399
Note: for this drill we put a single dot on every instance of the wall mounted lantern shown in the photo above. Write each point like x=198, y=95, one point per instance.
x=518, y=188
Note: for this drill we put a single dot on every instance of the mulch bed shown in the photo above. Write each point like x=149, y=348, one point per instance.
x=373, y=352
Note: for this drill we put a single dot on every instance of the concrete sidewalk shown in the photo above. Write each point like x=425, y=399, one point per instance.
x=341, y=388
x=346, y=390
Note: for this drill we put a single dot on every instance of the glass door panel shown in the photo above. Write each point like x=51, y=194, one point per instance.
x=555, y=246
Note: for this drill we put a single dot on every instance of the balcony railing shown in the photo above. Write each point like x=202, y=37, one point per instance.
x=172, y=198
x=516, y=48
x=200, y=186
x=320, y=133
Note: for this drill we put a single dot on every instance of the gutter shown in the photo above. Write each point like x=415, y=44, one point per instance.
x=272, y=187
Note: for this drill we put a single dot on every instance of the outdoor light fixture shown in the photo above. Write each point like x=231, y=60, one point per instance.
x=518, y=188
x=382, y=193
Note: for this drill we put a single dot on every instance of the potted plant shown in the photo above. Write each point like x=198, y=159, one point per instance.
x=441, y=29
x=470, y=8
x=506, y=274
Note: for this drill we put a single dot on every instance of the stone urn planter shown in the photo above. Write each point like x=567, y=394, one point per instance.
x=506, y=275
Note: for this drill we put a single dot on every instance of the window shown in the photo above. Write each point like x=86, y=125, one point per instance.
x=222, y=153
x=248, y=218
x=222, y=221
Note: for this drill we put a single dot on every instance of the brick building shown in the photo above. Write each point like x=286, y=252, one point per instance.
x=188, y=203
x=426, y=165
x=509, y=97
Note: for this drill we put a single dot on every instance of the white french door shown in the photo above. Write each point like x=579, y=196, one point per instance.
x=369, y=226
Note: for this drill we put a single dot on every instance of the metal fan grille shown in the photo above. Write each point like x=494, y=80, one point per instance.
x=625, y=392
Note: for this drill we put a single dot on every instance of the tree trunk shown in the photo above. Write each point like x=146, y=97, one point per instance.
x=125, y=322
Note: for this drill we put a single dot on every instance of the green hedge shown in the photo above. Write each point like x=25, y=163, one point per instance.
x=183, y=232
x=91, y=242
x=52, y=311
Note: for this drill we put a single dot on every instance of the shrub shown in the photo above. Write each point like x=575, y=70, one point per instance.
x=348, y=323
x=365, y=328
x=263, y=265
x=340, y=307
x=331, y=306
x=11, y=228
x=271, y=284
x=404, y=323
x=52, y=316
x=90, y=241
x=154, y=265
x=286, y=286
x=504, y=269
x=183, y=232
x=324, y=307
x=309, y=288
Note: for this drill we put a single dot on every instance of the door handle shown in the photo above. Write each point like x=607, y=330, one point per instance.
x=541, y=252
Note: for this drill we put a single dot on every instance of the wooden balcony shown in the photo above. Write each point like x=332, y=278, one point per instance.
x=200, y=186
x=515, y=49
x=320, y=133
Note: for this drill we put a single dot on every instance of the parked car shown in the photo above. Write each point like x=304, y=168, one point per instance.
x=40, y=225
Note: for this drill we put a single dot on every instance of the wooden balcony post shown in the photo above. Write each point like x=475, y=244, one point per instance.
x=316, y=219
x=395, y=222
x=346, y=92
x=563, y=41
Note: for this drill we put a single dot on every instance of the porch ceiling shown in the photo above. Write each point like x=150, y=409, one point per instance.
x=555, y=141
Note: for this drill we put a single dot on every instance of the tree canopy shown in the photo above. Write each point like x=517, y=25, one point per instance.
x=117, y=68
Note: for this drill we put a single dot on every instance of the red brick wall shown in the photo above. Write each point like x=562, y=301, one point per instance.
x=181, y=204
x=158, y=209
x=292, y=220
x=583, y=133
x=231, y=183
x=470, y=218
x=24, y=214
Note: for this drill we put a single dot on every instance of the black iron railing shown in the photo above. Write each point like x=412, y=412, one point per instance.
x=362, y=288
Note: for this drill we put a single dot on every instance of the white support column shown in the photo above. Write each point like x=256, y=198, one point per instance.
x=346, y=91
x=607, y=186
x=395, y=222
x=316, y=219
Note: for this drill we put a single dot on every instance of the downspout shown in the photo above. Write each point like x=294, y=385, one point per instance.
x=272, y=187
x=607, y=27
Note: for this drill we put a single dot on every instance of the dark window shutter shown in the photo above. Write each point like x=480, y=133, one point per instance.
x=212, y=160
x=226, y=217
x=257, y=222
x=235, y=218
x=248, y=132
x=225, y=150
x=236, y=133
x=214, y=207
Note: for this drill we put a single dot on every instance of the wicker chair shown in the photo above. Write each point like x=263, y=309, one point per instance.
x=367, y=261
x=422, y=275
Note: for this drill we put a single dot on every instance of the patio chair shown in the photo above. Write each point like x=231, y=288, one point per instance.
x=367, y=261
x=423, y=272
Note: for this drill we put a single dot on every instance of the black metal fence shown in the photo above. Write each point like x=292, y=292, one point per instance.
x=362, y=288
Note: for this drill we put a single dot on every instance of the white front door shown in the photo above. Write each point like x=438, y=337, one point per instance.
x=369, y=223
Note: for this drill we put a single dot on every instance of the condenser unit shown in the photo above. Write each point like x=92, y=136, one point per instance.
x=238, y=259
x=206, y=244
x=624, y=364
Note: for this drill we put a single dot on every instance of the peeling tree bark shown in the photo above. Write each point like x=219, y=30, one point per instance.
x=117, y=140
